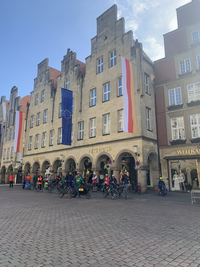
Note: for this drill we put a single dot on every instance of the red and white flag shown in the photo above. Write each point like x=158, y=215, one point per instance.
x=19, y=131
x=129, y=116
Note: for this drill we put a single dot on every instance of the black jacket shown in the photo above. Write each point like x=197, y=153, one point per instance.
x=125, y=179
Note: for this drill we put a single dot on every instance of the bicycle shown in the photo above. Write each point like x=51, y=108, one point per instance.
x=65, y=190
x=110, y=191
x=125, y=186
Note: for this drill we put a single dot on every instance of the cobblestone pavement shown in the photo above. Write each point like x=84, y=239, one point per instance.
x=38, y=229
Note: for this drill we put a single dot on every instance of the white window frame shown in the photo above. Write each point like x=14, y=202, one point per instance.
x=10, y=134
x=38, y=118
x=8, y=153
x=36, y=141
x=51, y=139
x=45, y=116
x=100, y=65
x=32, y=121
x=178, y=129
x=36, y=99
x=195, y=37
x=176, y=97
x=146, y=83
x=67, y=82
x=106, y=92
x=196, y=91
x=30, y=142
x=60, y=135
x=148, y=119
x=81, y=130
x=43, y=96
x=60, y=111
x=185, y=66
x=195, y=125
x=120, y=120
x=93, y=127
x=198, y=61
x=106, y=124
x=4, y=153
x=120, y=88
x=113, y=58
x=44, y=137
x=93, y=97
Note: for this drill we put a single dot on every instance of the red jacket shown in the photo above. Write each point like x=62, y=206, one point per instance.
x=11, y=178
x=28, y=178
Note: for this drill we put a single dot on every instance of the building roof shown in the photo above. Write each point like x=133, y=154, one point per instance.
x=24, y=101
x=54, y=74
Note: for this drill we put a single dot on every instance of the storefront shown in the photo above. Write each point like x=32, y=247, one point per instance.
x=181, y=168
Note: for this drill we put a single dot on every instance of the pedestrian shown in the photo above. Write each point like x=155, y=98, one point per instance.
x=69, y=179
x=94, y=182
x=78, y=182
x=28, y=178
x=11, y=178
x=35, y=178
x=40, y=179
x=125, y=180
x=107, y=179
x=113, y=180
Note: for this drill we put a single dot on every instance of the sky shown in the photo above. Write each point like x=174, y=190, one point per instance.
x=32, y=30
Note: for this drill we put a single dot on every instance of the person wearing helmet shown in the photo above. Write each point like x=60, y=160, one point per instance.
x=160, y=184
x=94, y=182
x=107, y=179
x=113, y=180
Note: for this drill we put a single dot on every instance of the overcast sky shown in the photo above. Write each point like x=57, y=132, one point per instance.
x=32, y=30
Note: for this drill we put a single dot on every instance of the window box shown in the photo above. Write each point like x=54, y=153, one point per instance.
x=178, y=142
x=193, y=103
x=188, y=73
x=173, y=107
x=195, y=140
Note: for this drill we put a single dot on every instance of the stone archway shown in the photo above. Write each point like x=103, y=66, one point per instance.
x=45, y=168
x=27, y=168
x=9, y=172
x=19, y=177
x=85, y=166
x=152, y=171
x=104, y=164
x=57, y=167
x=70, y=165
x=3, y=175
x=36, y=167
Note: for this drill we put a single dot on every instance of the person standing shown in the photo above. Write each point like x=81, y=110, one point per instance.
x=28, y=178
x=94, y=182
x=78, y=182
x=40, y=179
x=11, y=178
x=69, y=179
x=107, y=179
x=35, y=178
x=125, y=180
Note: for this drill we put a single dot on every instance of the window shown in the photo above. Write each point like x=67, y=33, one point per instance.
x=8, y=153
x=93, y=97
x=178, y=131
x=30, y=142
x=32, y=121
x=60, y=111
x=11, y=118
x=36, y=141
x=10, y=134
x=106, y=124
x=44, y=135
x=148, y=118
x=4, y=153
x=51, y=138
x=100, y=65
x=93, y=127
x=106, y=92
x=11, y=152
x=193, y=92
x=38, y=119
x=81, y=130
x=120, y=120
x=146, y=83
x=195, y=37
x=45, y=116
x=67, y=82
x=113, y=58
x=185, y=66
x=43, y=96
x=60, y=135
x=36, y=99
x=120, y=92
x=195, y=125
x=175, y=96
x=198, y=62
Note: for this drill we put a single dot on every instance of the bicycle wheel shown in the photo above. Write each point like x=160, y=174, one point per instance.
x=45, y=190
x=55, y=190
x=114, y=194
x=88, y=195
x=130, y=189
x=105, y=193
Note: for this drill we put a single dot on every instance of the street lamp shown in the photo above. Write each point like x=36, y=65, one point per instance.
x=135, y=150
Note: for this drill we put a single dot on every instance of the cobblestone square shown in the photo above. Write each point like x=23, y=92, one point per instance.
x=40, y=229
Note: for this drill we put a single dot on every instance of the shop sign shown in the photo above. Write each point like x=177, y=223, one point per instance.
x=38, y=158
x=99, y=150
x=188, y=151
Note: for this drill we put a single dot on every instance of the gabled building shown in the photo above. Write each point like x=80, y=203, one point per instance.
x=98, y=141
x=177, y=79
x=11, y=162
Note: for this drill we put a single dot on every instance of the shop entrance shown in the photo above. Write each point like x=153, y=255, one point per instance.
x=128, y=164
x=19, y=176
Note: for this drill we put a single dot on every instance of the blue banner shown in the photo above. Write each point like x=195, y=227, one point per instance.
x=66, y=116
